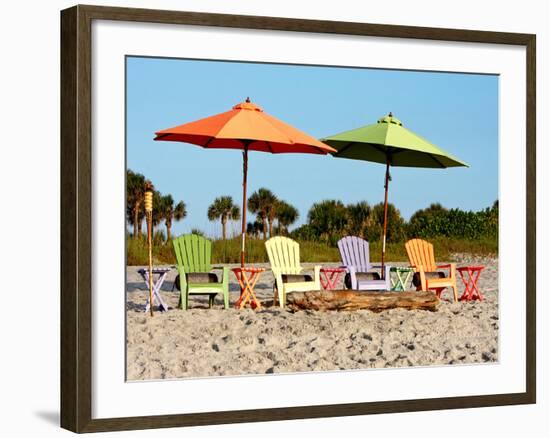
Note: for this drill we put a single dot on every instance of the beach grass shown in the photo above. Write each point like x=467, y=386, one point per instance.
x=228, y=251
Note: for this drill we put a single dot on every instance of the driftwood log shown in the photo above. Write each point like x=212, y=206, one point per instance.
x=355, y=300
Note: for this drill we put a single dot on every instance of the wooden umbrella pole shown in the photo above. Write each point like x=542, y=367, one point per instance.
x=385, y=217
x=149, y=218
x=150, y=244
x=243, y=225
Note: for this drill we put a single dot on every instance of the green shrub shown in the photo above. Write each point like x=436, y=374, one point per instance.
x=436, y=221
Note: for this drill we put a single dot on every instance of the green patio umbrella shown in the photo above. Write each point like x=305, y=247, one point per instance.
x=389, y=143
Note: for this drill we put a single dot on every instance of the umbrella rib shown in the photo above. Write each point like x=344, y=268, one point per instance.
x=433, y=157
x=345, y=148
x=210, y=140
x=380, y=149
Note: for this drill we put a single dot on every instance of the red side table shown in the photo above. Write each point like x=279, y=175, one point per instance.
x=247, y=278
x=330, y=277
x=470, y=276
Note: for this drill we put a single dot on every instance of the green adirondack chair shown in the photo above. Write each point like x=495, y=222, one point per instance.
x=284, y=257
x=194, y=254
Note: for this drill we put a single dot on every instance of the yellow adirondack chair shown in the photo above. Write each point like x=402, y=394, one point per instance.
x=422, y=259
x=284, y=257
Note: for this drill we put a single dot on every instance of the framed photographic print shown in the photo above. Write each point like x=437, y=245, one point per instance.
x=268, y=219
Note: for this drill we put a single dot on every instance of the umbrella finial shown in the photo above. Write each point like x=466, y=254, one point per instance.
x=390, y=114
x=248, y=100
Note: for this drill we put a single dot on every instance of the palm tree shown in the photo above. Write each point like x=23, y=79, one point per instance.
x=328, y=219
x=158, y=208
x=358, y=215
x=224, y=209
x=254, y=228
x=171, y=213
x=263, y=203
x=396, y=226
x=286, y=215
x=135, y=191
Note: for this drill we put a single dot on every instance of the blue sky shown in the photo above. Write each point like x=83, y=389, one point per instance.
x=457, y=112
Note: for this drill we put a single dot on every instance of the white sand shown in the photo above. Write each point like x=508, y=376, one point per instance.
x=209, y=342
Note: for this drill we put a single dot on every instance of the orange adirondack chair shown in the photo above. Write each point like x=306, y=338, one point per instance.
x=421, y=258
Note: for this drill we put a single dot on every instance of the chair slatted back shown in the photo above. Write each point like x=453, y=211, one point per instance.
x=284, y=255
x=354, y=251
x=193, y=252
x=421, y=253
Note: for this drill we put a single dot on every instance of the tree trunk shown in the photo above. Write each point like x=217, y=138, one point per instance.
x=264, y=227
x=139, y=231
x=270, y=228
x=168, y=230
x=224, y=225
x=355, y=300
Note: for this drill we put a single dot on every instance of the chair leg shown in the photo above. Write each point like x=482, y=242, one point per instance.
x=226, y=299
x=184, y=299
x=455, y=292
x=275, y=295
x=282, y=300
x=211, y=300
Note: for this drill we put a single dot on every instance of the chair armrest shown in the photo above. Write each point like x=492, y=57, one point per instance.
x=450, y=266
x=386, y=273
x=317, y=271
x=317, y=276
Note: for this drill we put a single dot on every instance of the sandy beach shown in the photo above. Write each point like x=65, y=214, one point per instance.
x=216, y=342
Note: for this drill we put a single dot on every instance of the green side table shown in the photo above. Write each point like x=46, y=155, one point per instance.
x=402, y=277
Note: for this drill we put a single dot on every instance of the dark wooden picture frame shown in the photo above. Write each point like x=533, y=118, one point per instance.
x=76, y=218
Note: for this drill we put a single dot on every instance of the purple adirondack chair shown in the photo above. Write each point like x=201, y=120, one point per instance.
x=355, y=258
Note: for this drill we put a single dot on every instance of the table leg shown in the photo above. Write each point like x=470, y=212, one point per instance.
x=465, y=294
x=337, y=276
x=407, y=279
x=157, y=288
x=324, y=280
x=247, y=285
x=477, y=295
x=254, y=302
x=400, y=286
x=330, y=280
x=243, y=290
x=156, y=291
x=393, y=282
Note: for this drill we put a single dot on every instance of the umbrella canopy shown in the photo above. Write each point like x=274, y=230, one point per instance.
x=248, y=128
x=389, y=139
x=390, y=143
x=245, y=124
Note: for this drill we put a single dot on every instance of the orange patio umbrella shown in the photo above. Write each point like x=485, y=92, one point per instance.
x=248, y=128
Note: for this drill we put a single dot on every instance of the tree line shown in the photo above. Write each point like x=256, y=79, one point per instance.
x=327, y=221
x=330, y=220
x=273, y=215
